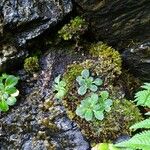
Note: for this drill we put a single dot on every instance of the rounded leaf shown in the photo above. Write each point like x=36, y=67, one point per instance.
x=80, y=111
x=60, y=94
x=82, y=90
x=88, y=115
x=85, y=73
x=98, y=81
x=15, y=94
x=11, y=101
x=99, y=115
x=3, y=106
x=93, y=88
x=104, y=95
x=57, y=79
x=11, y=81
x=10, y=90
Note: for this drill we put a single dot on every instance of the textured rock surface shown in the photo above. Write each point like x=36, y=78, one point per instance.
x=26, y=19
x=21, y=128
x=10, y=57
x=137, y=59
x=117, y=20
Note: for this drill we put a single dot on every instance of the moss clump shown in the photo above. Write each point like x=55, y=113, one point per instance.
x=74, y=29
x=110, y=59
x=117, y=122
x=31, y=64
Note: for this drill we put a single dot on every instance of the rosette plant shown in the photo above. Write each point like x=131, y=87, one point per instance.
x=8, y=91
x=59, y=87
x=87, y=82
x=93, y=107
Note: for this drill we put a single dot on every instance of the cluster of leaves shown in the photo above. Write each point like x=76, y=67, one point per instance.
x=59, y=87
x=76, y=27
x=86, y=82
x=140, y=140
x=93, y=107
x=31, y=64
x=8, y=91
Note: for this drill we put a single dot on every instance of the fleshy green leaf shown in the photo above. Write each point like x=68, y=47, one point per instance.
x=99, y=115
x=10, y=90
x=98, y=82
x=62, y=83
x=57, y=79
x=11, y=81
x=85, y=73
x=82, y=90
x=104, y=95
x=3, y=106
x=89, y=115
x=11, y=101
x=93, y=88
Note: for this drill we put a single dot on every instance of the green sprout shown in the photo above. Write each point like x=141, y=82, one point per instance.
x=86, y=82
x=59, y=88
x=93, y=107
x=8, y=91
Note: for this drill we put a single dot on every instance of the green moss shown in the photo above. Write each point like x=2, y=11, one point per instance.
x=72, y=72
x=73, y=29
x=31, y=64
x=110, y=58
x=117, y=122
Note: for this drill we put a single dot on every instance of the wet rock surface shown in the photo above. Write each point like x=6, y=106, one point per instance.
x=27, y=19
x=117, y=20
x=137, y=59
x=21, y=127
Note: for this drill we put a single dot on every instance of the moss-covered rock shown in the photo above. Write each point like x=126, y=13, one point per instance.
x=31, y=64
x=123, y=112
x=73, y=29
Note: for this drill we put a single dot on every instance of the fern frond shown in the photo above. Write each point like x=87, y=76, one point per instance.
x=143, y=124
x=146, y=86
x=139, y=141
x=143, y=98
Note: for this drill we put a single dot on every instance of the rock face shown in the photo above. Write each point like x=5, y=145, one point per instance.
x=26, y=19
x=117, y=20
x=137, y=59
x=21, y=126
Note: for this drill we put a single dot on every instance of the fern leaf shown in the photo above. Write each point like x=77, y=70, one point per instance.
x=143, y=124
x=139, y=141
x=146, y=86
x=143, y=98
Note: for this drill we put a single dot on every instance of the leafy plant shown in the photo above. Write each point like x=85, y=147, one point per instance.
x=8, y=91
x=59, y=88
x=143, y=97
x=140, y=140
x=93, y=107
x=86, y=82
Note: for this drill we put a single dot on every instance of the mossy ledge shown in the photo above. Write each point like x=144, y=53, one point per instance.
x=123, y=113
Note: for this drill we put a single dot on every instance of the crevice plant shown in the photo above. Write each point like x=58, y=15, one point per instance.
x=87, y=82
x=8, y=91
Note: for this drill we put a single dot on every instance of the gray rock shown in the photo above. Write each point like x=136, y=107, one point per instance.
x=137, y=59
x=26, y=19
x=117, y=21
x=10, y=57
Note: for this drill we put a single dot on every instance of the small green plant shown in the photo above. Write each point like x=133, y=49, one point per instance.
x=74, y=29
x=8, y=91
x=31, y=64
x=93, y=107
x=143, y=97
x=86, y=82
x=59, y=87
